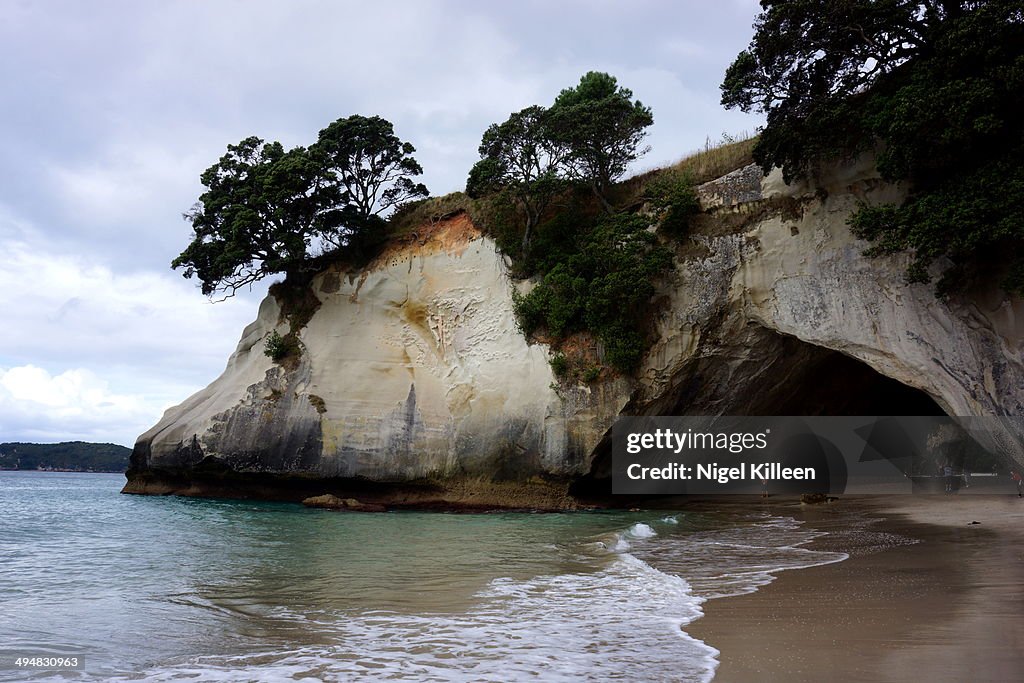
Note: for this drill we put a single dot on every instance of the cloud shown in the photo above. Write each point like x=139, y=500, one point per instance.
x=73, y=405
x=82, y=341
x=111, y=113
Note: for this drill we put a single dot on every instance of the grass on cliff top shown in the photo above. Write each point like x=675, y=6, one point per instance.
x=714, y=160
x=413, y=215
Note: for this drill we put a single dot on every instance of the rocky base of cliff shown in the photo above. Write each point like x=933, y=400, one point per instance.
x=210, y=480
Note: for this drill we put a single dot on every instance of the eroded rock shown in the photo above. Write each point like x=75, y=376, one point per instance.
x=414, y=374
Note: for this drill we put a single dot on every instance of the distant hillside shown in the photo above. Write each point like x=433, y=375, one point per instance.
x=73, y=456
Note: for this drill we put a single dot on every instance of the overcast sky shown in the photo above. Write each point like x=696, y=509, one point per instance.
x=109, y=111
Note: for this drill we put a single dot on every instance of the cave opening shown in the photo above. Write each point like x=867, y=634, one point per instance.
x=769, y=374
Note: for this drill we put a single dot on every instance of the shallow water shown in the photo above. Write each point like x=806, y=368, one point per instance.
x=188, y=589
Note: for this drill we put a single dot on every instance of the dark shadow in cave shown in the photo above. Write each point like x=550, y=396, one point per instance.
x=772, y=374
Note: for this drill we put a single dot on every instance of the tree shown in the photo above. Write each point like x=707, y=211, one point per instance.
x=602, y=128
x=264, y=208
x=261, y=208
x=373, y=169
x=935, y=86
x=520, y=156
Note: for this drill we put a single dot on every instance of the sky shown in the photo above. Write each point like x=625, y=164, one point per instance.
x=109, y=112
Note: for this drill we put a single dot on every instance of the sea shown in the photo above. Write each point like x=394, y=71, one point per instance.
x=180, y=589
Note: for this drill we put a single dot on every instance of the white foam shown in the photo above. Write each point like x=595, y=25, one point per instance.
x=640, y=530
x=738, y=558
x=621, y=622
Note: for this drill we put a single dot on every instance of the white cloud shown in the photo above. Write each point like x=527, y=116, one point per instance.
x=83, y=345
x=75, y=404
x=73, y=389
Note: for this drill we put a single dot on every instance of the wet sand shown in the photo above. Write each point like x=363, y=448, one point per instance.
x=949, y=607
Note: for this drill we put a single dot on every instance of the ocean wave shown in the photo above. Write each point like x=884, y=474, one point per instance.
x=640, y=530
x=623, y=622
x=740, y=557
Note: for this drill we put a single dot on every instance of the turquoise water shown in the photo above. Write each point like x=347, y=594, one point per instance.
x=187, y=589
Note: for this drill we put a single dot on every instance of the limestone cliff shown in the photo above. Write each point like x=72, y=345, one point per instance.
x=773, y=311
x=414, y=385
x=412, y=371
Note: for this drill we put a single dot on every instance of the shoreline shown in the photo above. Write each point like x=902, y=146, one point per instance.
x=8, y=469
x=924, y=595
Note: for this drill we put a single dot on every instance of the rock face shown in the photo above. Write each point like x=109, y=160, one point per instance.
x=791, y=285
x=412, y=373
x=415, y=387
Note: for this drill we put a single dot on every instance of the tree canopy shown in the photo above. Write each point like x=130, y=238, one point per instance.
x=264, y=208
x=373, y=170
x=602, y=127
x=936, y=87
x=261, y=208
x=589, y=135
x=519, y=156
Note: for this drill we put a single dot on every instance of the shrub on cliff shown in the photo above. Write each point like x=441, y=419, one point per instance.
x=602, y=284
x=671, y=193
x=939, y=84
x=278, y=348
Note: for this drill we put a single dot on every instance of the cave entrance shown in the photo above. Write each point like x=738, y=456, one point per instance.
x=768, y=373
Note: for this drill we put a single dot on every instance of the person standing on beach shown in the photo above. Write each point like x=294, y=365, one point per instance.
x=948, y=472
x=1017, y=479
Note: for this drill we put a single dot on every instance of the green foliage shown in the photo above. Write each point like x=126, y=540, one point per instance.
x=486, y=177
x=264, y=208
x=940, y=84
x=601, y=127
x=985, y=206
x=500, y=216
x=671, y=193
x=520, y=157
x=591, y=374
x=373, y=171
x=73, y=456
x=588, y=137
x=261, y=208
x=601, y=282
x=278, y=348
x=559, y=365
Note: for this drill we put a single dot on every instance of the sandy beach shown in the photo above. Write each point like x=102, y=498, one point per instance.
x=925, y=596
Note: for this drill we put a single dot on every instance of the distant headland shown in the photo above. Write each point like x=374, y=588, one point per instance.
x=69, y=456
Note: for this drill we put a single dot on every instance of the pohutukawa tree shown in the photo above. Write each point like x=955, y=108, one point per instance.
x=261, y=208
x=589, y=135
x=519, y=156
x=265, y=209
x=935, y=87
x=601, y=126
x=373, y=171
